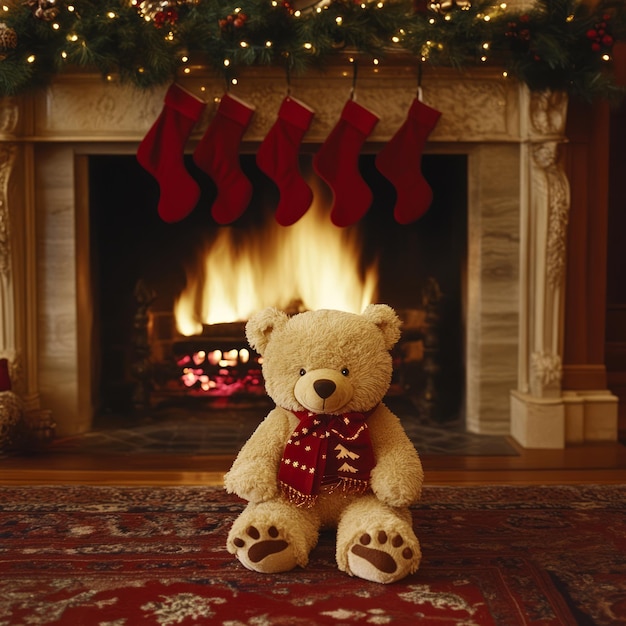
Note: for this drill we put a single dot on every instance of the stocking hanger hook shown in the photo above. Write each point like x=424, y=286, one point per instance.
x=419, y=82
x=288, y=74
x=355, y=70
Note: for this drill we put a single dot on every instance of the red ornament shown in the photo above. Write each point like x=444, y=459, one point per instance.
x=599, y=36
x=234, y=20
x=166, y=16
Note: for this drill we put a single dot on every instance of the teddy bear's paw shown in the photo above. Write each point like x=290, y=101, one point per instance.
x=267, y=551
x=382, y=558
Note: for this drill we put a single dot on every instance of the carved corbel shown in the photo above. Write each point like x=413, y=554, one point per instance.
x=546, y=370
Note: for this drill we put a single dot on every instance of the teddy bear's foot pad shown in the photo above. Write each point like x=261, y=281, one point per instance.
x=379, y=559
x=272, y=554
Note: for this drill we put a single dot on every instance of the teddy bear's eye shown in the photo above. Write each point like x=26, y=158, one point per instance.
x=302, y=372
x=345, y=371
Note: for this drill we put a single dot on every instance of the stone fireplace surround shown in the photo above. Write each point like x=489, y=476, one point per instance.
x=518, y=199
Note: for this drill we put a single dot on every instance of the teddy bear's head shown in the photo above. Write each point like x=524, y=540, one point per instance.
x=326, y=361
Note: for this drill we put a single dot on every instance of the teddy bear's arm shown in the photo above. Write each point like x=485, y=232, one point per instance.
x=252, y=475
x=398, y=475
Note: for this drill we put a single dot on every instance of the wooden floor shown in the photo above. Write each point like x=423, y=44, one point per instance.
x=588, y=463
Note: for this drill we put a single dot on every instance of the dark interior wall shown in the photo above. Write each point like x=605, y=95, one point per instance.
x=616, y=248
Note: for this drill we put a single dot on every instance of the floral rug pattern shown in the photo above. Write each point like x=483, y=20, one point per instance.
x=122, y=556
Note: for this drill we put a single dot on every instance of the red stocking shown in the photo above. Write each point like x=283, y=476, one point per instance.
x=337, y=163
x=277, y=157
x=162, y=150
x=400, y=162
x=217, y=154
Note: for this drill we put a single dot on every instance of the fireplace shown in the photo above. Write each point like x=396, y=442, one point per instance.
x=517, y=209
x=194, y=284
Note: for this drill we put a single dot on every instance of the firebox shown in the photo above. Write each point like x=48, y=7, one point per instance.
x=171, y=300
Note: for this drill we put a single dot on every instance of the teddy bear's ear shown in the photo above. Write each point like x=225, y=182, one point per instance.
x=261, y=325
x=386, y=319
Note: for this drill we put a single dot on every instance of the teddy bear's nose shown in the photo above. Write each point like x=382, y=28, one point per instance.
x=324, y=387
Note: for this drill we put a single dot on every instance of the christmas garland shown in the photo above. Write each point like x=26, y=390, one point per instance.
x=557, y=44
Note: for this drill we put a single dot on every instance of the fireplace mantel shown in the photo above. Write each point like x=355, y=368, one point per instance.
x=517, y=219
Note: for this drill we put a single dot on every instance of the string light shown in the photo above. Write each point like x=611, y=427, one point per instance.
x=310, y=8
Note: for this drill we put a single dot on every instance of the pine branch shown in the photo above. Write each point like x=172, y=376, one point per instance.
x=550, y=46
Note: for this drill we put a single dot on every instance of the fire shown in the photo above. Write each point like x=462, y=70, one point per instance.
x=311, y=262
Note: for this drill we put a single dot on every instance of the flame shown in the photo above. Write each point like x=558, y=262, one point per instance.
x=311, y=262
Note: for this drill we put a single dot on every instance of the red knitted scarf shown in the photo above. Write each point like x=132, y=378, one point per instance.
x=324, y=449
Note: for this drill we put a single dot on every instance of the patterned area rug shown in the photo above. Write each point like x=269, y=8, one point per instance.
x=492, y=555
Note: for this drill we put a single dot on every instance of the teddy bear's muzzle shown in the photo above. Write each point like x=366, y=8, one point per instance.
x=324, y=391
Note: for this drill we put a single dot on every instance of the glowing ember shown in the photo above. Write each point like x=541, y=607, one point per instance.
x=311, y=262
x=219, y=373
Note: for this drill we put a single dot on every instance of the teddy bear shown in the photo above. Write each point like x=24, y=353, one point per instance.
x=330, y=454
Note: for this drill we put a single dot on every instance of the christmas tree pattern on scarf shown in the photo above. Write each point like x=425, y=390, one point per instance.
x=308, y=463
